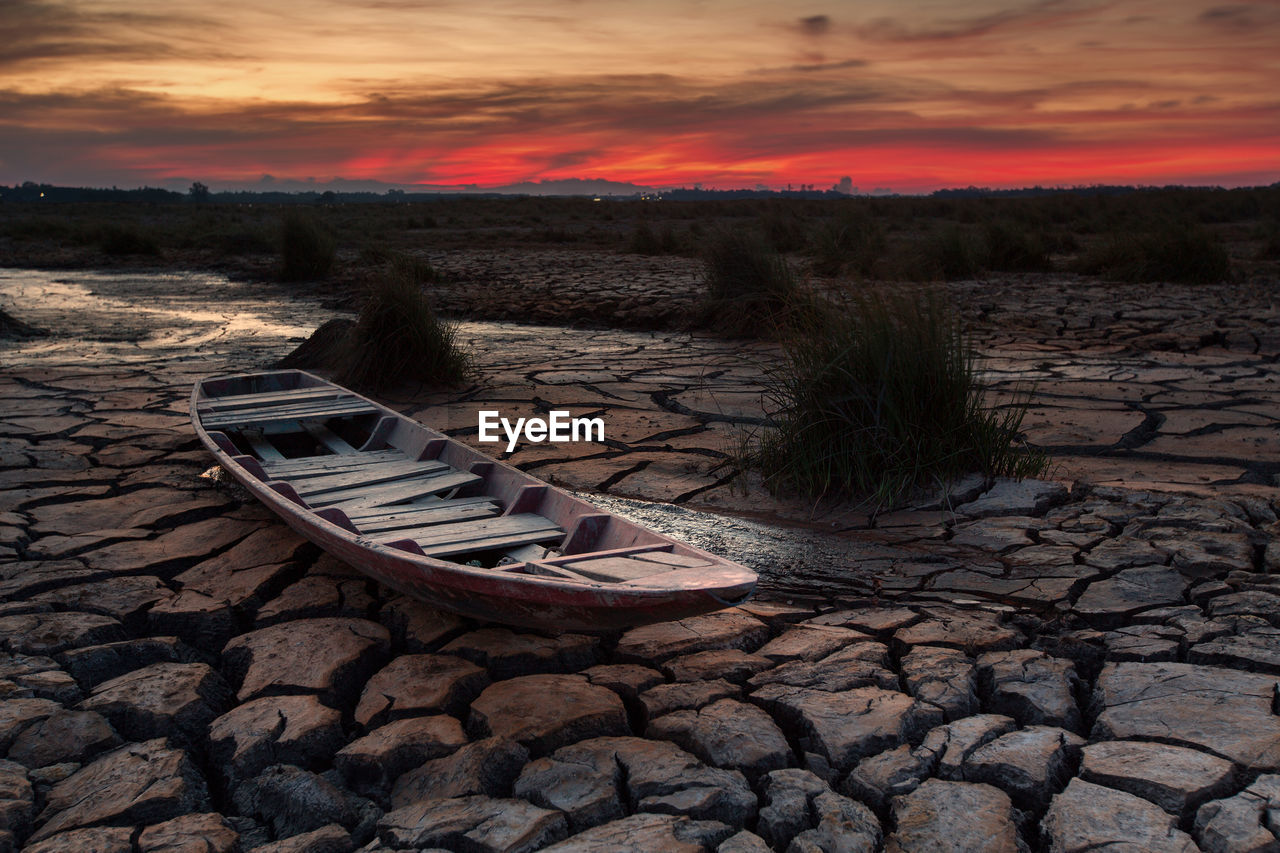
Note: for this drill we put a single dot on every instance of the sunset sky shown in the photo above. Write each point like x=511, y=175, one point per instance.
x=905, y=94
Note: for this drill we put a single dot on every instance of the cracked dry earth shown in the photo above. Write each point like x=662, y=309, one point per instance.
x=1017, y=666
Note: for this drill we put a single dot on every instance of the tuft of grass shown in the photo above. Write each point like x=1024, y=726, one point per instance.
x=751, y=291
x=307, y=249
x=398, y=337
x=880, y=397
x=1175, y=251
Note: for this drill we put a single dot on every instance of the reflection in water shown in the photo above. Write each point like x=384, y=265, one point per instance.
x=133, y=317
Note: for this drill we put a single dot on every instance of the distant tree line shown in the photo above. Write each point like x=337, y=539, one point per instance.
x=200, y=193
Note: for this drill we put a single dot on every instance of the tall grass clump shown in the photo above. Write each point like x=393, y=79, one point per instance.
x=307, y=249
x=398, y=337
x=1174, y=251
x=880, y=397
x=751, y=291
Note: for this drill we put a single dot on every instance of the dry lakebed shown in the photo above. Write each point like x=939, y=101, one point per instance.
x=1086, y=662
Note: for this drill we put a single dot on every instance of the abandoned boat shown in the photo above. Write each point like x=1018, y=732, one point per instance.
x=428, y=516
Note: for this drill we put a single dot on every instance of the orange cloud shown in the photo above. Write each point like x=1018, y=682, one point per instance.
x=668, y=93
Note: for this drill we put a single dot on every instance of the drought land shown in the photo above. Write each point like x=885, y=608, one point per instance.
x=1083, y=658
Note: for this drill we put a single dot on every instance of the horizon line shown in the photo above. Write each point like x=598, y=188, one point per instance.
x=302, y=187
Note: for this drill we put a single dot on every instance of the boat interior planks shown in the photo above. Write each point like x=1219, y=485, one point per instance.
x=440, y=512
x=370, y=475
x=253, y=401
x=331, y=441
x=262, y=446
x=293, y=411
x=390, y=494
x=502, y=531
x=433, y=518
x=322, y=466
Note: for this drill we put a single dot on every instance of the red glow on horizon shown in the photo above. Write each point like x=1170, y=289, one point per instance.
x=904, y=168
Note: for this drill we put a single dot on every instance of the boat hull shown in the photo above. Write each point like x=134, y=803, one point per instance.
x=508, y=595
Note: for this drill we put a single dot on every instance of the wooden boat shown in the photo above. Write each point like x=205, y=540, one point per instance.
x=428, y=516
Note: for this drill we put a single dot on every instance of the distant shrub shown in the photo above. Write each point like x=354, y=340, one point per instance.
x=419, y=268
x=784, y=230
x=1175, y=252
x=957, y=252
x=750, y=289
x=240, y=241
x=846, y=244
x=1061, y=241
x=1013, y=248
x=403, y=263
x=307, y=249
x=553, y=234
x=672, y=243
x=645, y=241
x=38, y=228
x=904, y=261
x=375, y=254
x=127, y=240
x=1270, y=249
x=398, y=337
x=879, y=398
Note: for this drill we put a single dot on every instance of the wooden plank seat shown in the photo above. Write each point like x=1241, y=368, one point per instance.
x=427, y=502
x=275, y=398
x=303, y=467
x=322, y=410
x=369, y=475
x=396, y=492
x=679, y=561
x=616, y=569
x=630, y=567
x=482, y=535
x=437, y=512
x=329, y=439
x=262, y=448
